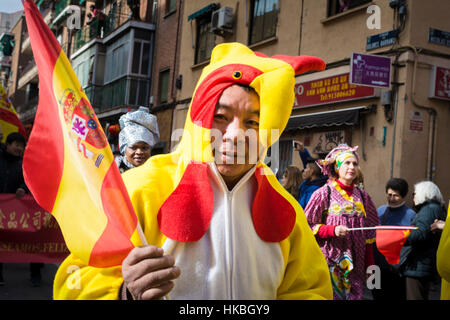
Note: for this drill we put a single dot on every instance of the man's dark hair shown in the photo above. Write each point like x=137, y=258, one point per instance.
x=15, y=136
x=398, y=184
x=247, y=88
x=314, y=167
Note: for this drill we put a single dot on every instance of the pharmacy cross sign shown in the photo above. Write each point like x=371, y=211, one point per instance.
x=370, y=70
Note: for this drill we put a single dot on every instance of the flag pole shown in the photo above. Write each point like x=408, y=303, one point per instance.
x=385, y=228
x=141, y=234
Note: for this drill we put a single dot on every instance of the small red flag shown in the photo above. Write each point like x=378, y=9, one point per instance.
x=390, y=242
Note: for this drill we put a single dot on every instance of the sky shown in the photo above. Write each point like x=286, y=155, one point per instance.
x=10, y=5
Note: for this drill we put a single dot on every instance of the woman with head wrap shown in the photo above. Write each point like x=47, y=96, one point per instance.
x=139, y=133
x=331, y=211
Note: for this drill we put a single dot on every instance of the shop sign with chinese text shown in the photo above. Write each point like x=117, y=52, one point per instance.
x=370, y=70
x=330, y=90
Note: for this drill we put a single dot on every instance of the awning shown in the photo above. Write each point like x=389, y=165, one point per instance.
x=208, y=8
x=349, y=117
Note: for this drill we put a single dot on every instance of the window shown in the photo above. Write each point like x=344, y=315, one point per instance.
x=263, y=20
x=338, y=6
x=83, y=67
x=141, y=58
x=205, y=39
x=117, y=55
x=171, y=6
x=164, y=85
x=138, y=92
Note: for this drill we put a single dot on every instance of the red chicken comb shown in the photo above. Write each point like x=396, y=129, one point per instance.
x=301, y=64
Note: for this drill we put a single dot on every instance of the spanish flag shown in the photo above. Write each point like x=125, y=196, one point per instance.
x=68, y=164
x=9, y=120
x=390, y=242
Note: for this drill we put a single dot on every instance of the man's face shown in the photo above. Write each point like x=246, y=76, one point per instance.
x=307, y=172
x=15, y=148
x=237, y=119
x=138, y=153
x=393, y=197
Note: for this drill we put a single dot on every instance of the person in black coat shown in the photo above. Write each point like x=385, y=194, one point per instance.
x=12, y=181
x=11, y=177
x=418, y=255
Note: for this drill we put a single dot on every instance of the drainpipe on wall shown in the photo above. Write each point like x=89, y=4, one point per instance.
x=432, y=123
x=301, y=29
x=395, y=99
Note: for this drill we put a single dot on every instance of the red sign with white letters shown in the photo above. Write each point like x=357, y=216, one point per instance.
x=440, y=83
x=330, y=90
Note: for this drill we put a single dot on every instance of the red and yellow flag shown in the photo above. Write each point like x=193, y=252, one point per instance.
x=68, y=164
x=9, y=120
x=390, y=242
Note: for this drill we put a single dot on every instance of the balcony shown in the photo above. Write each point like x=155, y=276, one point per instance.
x=61, y=7
x=86, y=34
x=127, y=91
x=101, y=26
x=27, y=73
x=47, y=13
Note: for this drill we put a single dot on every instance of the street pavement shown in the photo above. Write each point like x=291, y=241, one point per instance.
x=18, y=286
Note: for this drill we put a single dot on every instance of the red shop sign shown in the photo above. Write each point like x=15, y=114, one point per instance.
x=330, y=90
x=440, y=83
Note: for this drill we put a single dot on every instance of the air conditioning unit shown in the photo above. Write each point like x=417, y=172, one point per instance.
x=222, y=21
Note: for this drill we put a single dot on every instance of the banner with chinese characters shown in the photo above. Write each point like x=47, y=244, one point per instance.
x=28, y=233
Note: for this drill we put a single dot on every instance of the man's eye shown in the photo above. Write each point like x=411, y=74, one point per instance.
x=220, y=117
x=253, y=123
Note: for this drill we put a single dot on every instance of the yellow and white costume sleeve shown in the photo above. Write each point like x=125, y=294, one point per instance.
x=443, y=260
x=252, y=242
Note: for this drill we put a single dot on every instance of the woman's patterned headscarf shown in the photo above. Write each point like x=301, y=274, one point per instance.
x=336, y=157
x=136, y=126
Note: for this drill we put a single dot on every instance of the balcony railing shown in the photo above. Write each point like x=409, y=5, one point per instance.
x=62, y=4
x=101, y=26
x=86, y=34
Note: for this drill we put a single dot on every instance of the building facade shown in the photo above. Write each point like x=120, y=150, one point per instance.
x=165, y=80
x=7, y=43
x=110, y=46
x=401, y=130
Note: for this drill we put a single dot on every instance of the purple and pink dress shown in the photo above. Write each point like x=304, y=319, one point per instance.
x=349, y=256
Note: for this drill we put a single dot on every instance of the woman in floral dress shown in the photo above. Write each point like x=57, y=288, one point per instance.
x=335, y=208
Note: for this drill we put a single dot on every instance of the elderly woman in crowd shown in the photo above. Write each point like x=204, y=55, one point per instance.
x=418, y=255
x=335, y=208
x=139, y=133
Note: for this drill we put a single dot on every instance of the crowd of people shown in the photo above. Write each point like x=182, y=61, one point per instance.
x=330, y=192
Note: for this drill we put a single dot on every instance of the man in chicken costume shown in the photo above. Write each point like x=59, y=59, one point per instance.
x=218, y=226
